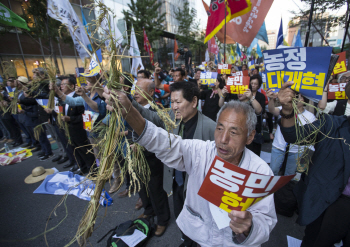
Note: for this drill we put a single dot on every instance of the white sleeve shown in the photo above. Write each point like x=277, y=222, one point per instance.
x=171, y=149
x=330, y=107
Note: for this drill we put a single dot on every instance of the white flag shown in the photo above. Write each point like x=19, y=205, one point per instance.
x=117, y=35
x=63, y=11
x=135, y=51
x=207, y=59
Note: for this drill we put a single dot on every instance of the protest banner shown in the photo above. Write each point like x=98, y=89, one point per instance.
x=237, y=84
x=94, y=67
x=224, y=68
x=89, y=119
x=208, y=78
x=10, y=92
x=81, y=80
x=43, y=102
x=306, y=66
x=337, y=91
x=229, y=187
x=340, y=66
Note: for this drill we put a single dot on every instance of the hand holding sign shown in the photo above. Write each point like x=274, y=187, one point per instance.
x=248, y=94
x=285, y=96
x=79, y=91
x=241, y=222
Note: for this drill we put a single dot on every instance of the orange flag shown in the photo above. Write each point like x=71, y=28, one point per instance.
x=221, y=10
x=176, y=55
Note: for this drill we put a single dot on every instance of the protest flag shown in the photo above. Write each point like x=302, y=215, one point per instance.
x=238, y=51
x=262, y=34
x=86, y=27
x=207, y=59
x=258, y=51
x=147, y=46
x=176, y=55
x=216, y=60
x=9, y=18
x=298, y=40
x=212, y=46
x=280, y=36
x=63, y=12
x=219, y=13
x=135, y=52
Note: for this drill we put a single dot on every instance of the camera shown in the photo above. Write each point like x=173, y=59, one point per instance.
x=181, y=51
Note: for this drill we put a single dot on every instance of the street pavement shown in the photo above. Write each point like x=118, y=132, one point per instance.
x=24, y=215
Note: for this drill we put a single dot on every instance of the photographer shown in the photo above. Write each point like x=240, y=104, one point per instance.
x=188, y=59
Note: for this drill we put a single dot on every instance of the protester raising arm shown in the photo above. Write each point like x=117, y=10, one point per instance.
x=323, y=102
x=159, y=85
x=272, y=109
x=80, y=91
x=256, y=105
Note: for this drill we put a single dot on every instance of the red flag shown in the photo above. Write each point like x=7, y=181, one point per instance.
x=212, y=46
x=176, y=55
x=147, y=46
x=217, y=14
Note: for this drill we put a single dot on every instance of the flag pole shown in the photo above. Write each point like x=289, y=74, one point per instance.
x=309, y=24
x=225, y=34
x=346, y=31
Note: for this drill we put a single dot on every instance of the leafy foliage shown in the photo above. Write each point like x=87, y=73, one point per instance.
x=145, y=14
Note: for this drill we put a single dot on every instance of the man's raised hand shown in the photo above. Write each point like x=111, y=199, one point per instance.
x=241, y=222
x=285, y=96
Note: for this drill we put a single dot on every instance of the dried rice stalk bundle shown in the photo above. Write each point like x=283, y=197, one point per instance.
x=9, y=69
x=13, y=108
x=51, y=71
x=38, y=130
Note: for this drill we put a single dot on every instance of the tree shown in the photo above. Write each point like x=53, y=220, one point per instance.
x=188, y=27
x=145, y=14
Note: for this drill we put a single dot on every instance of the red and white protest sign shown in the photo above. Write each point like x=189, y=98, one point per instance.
x=230, y=187
x=337, y=91
x=237, y=84
x=224, y=69
x=340, y=66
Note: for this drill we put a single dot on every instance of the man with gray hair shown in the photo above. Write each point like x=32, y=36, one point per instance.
x=234, y=130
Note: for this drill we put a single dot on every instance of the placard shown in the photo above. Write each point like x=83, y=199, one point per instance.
x=89, y=118
x=340, y=66
x=230, y=187
x=209, y=78
x=337, y=91
x=306, y=66
x=237, y=84
x=224, y=68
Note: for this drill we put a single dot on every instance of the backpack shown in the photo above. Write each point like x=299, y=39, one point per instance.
x=128, y=228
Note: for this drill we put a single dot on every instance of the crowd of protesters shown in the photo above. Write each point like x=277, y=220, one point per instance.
x=236, y=123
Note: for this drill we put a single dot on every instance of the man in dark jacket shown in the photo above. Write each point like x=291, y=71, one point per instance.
x=324, y=193
x=77, y=134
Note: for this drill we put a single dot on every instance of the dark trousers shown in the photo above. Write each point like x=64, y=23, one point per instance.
x=156, y=202
x=23, y=128
x=68, y=149
x=331, y=227
x=82, y=148
x=269, y=121
x=179, y=201
x=12, y=126
x=44, y=142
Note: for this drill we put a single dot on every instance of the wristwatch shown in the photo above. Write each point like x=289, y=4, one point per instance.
x=252, y=99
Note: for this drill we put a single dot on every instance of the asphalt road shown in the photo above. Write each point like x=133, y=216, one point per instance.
x=24, y=215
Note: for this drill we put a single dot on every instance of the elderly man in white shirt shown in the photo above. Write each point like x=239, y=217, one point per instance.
x=235, y=129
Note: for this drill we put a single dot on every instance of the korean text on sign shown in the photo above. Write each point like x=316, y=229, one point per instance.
x=307, y=67
x=224, y=69
x=340, y=66
x=230, y=187
x=237, y=84
x=208, y=78
x=337, y=91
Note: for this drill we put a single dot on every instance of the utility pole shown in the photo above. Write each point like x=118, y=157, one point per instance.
x=309, y=24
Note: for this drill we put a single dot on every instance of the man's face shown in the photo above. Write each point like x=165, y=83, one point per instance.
x=183, y=66
x=244, y=67
x=141, y=92
x=89, y=83
x=185, y=49
x=177, y=76
x=345, y=78
x=182, y=107
x=66, y=88
x=231, y=135
x=10, y=83
x=255, y=72
x=141, y=76
x=197, y=76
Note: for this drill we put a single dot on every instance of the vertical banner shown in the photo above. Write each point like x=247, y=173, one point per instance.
x=307, y=67
x=147, y=46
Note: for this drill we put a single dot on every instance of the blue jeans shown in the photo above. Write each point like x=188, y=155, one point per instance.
x=277, y=157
